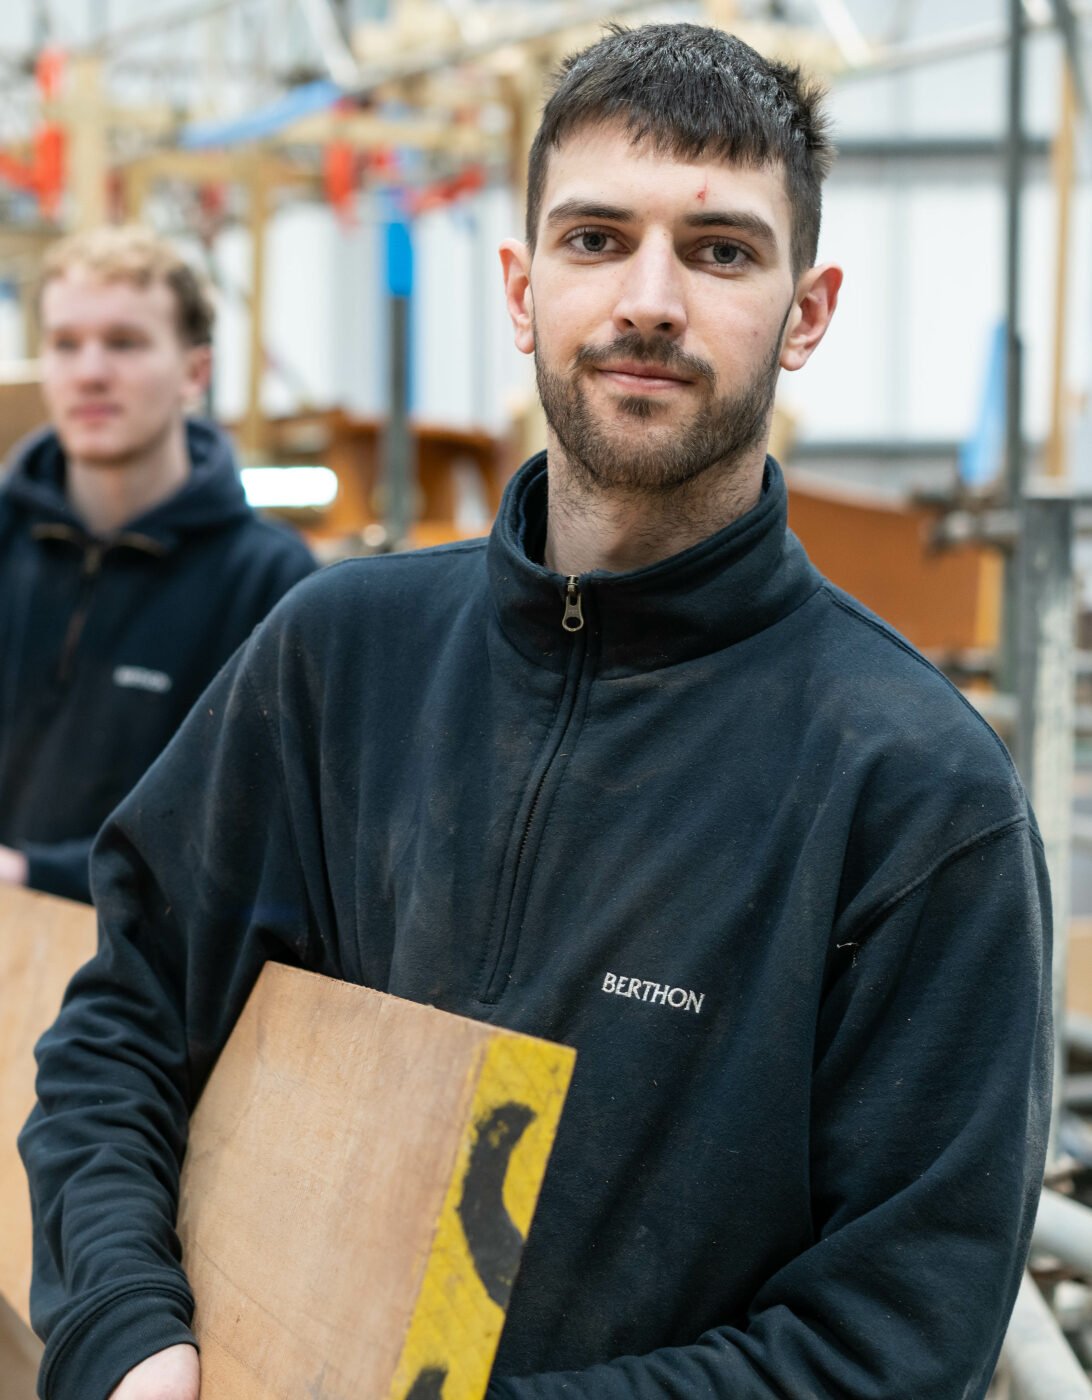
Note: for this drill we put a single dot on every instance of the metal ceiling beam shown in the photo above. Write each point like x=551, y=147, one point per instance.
x=155, y=24
x=845, y=31
x=326, y=32
x=553, y=20
x=913, y=53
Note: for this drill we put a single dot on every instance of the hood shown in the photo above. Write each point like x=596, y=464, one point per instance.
x=211, y=497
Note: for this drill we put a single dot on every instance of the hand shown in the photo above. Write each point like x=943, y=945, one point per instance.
x=13, y=867
x=173, y=1374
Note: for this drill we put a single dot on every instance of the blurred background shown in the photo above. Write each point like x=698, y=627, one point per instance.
x=344, y=170
x=325, y=160
x=282, y=139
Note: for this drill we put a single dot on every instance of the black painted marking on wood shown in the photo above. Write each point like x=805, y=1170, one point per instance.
x=494, y=1242
x=429, y=1384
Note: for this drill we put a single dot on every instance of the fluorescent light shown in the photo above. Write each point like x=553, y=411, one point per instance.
x=289, y=488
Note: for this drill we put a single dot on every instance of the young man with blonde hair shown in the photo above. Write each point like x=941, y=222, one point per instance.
x=131, y=566
x=631, y=775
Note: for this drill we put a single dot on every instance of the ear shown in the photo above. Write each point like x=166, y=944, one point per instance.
x=516, y=265
x=198, y=374
x=816, y=298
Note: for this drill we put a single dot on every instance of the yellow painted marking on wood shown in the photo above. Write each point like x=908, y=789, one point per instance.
x=456, y=1325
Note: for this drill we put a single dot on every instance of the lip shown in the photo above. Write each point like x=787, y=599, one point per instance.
x=635, y=374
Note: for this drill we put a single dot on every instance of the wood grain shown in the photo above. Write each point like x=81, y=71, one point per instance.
x=324, y=1202
x=42, y=942
x=361, y=1176
x=20, y=1356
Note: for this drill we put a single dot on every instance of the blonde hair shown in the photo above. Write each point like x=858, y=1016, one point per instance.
x=133, y=253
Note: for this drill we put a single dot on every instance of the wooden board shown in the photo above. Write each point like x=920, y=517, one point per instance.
x=22, y=409
x=42, y=942
x=878, y=549
x=20, y=1356
x=1078, y=985
x=361, y=1178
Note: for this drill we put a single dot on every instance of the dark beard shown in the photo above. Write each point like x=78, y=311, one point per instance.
x=724, y=430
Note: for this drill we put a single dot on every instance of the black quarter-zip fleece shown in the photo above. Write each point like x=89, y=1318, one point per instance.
x=106, y=643
x=732, y=838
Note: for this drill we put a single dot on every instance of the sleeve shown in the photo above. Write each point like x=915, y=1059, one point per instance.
x=197, y=880
x=60, y=867
x=930, y=1105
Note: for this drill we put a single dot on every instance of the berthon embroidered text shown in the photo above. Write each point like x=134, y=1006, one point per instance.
x=659, y=994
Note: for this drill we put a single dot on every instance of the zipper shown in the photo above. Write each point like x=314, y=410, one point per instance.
x=92, y=564
x=572, y=621
x=573, y=617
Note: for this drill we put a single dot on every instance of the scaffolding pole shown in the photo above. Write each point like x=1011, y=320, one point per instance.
x=1041, y=1363
x=1046, y=713
x=1014, y=425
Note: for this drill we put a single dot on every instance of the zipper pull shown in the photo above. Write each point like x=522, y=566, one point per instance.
x=92, y=559
x=573, y=619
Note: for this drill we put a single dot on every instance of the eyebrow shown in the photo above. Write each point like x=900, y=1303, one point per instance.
x=112, y=328
x=738, y=219
x=586, y=209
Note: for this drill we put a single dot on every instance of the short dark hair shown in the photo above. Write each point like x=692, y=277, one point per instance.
x=693, y=91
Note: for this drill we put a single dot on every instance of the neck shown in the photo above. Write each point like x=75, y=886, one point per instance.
x=618, y=530
x=107, y=495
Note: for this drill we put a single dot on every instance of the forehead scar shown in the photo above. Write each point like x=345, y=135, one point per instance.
x=703, y=192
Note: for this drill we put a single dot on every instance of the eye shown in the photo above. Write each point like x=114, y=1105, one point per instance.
x=591, y=241
x=722, y=253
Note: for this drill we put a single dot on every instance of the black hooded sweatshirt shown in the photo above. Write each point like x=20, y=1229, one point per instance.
x=730, y=837
x=106, y=643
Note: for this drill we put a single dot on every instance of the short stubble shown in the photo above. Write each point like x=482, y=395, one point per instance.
x=723, y=430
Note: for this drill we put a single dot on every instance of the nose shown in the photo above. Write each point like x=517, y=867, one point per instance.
x=91, y=362
x=651, y=298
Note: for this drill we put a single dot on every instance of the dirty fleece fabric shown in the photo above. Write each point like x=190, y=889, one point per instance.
x=732, y=839
x=105, y=644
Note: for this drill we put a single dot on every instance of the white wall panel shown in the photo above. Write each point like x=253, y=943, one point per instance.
x=445, y=328
x=359, y=314
x=906, y=354
x=303, y=307
x=231, y=257
x=467, y=367
x=950, y=294
x=848, y=387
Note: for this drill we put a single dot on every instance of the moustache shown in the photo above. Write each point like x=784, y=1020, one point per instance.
x=657, y=351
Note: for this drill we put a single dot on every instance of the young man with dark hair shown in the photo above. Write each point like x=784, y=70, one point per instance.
x=131, y=566
x=633, y=776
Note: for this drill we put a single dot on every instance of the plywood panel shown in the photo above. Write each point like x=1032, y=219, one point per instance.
x=361, y=1178
x=1078, y=988
x=20, y=1357
x=879, y=551
x=21, y=410
x=42, y=942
